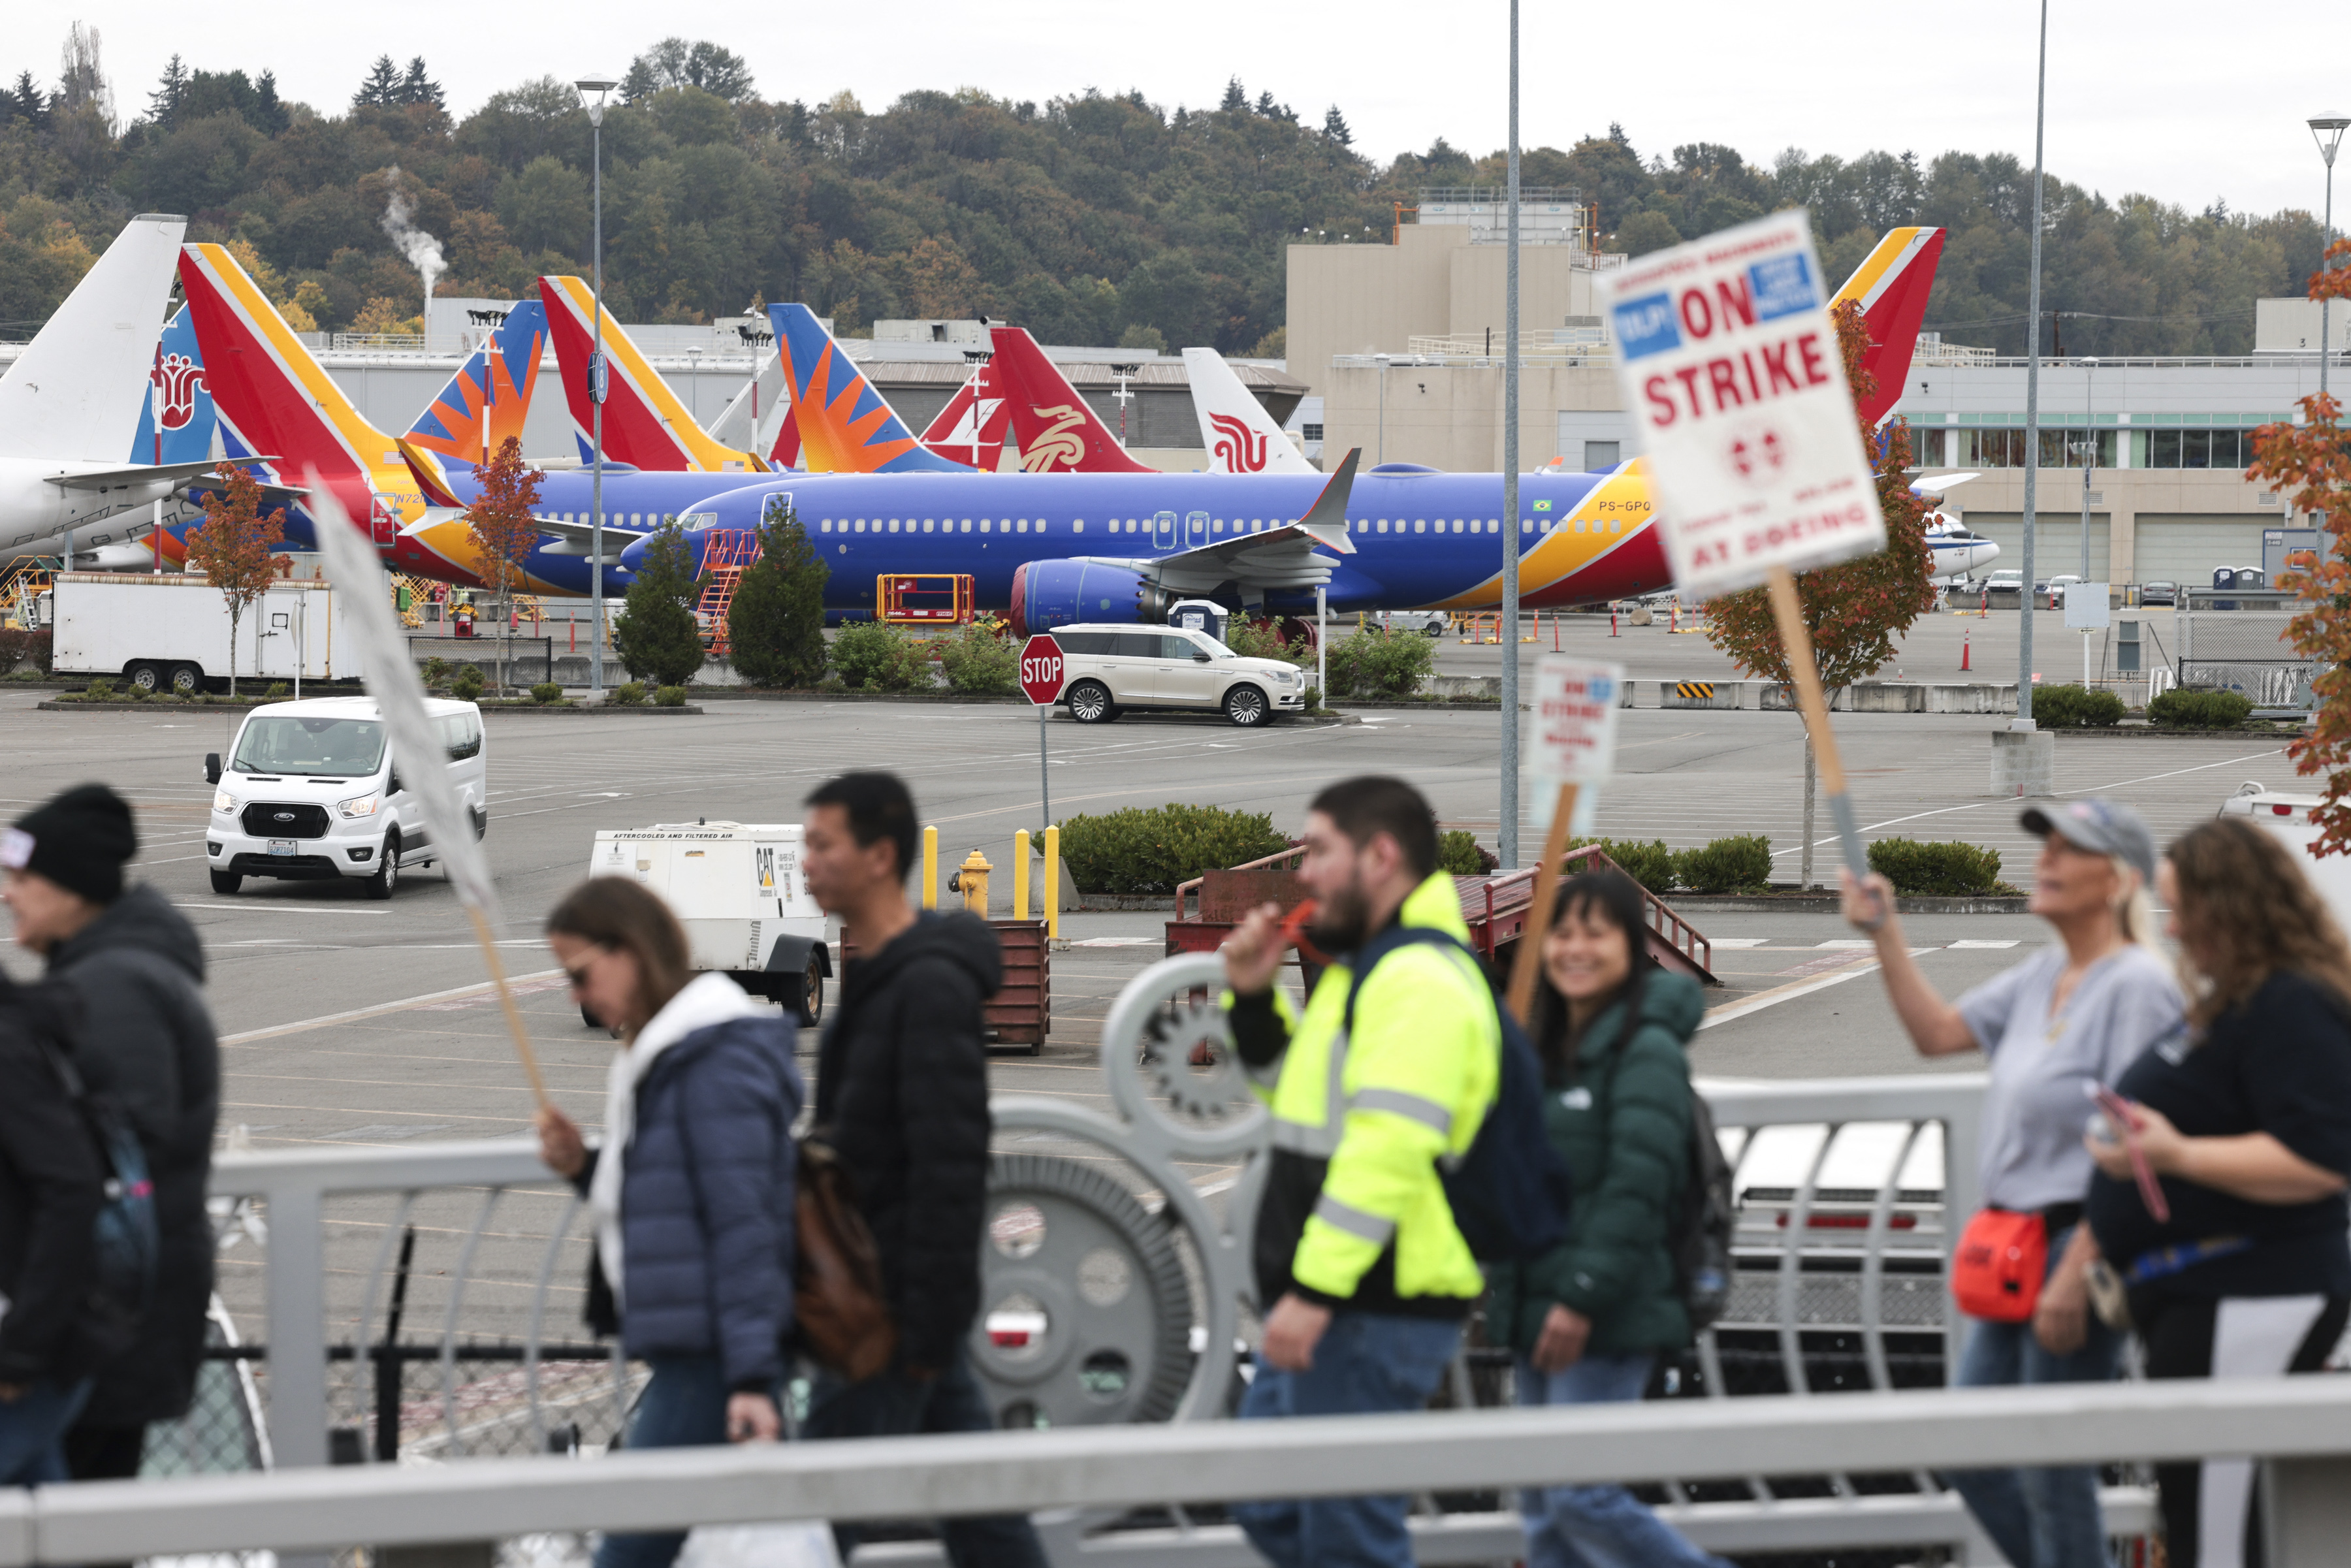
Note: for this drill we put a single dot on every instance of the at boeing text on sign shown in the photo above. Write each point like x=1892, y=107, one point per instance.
x=1726, y=352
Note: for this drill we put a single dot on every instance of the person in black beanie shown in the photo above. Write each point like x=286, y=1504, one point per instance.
x=137, y=967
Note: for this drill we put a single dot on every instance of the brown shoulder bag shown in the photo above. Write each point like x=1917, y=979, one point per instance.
x=837, y=1296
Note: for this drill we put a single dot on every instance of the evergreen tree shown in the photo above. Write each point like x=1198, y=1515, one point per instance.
x=32, y=103
x=775, y=624
x=674, y=62
x=415, y=86
x=381, y=86
x=1235, y=97
x=1265, y=104
x=640, y=83
x=269, y=116
x=164, y=103
x=1334, y=126
x=656, y=636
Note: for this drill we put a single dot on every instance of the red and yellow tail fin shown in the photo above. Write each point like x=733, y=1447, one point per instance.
x=646, y=425
x=1891, y=286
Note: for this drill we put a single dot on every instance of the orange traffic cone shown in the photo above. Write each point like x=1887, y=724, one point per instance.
x=1963, y=649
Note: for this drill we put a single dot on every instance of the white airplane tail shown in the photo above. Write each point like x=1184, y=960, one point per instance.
x=74, y=395
x=1242, y=437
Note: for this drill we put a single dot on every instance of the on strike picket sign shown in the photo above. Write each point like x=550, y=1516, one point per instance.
x=1573, y=739
x=1727, y=354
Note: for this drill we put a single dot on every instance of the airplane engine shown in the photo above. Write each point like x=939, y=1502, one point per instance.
x=1050, y=593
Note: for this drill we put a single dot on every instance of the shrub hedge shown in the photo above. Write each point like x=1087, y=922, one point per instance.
x=1459, y=852
x=1379, y=663
x=1945, y=869
x=2200, y=710
x=2075, y=707
x=1150, y=849
x=873, y=656
x=1740, y=863
x=979, y=663
x=670, y=696
x=628, y=693
x=547, y=692
x=467, y=683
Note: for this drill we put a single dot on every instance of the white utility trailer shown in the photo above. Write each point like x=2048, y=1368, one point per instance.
x=738, y=890
x=171, y=632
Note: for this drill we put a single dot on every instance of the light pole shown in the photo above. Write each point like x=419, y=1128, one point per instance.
x=2023, y=720
x=1380, y=452
x=2089, y=462
x=1506, y=838
x=592, y=96
x=2328, y=129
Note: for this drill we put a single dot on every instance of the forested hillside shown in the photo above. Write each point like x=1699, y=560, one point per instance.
x=1089, y=219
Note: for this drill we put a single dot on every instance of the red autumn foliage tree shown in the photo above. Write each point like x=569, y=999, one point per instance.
x=1857, y=608
x=2311, y=464
x=503, y=530
x=232, y=548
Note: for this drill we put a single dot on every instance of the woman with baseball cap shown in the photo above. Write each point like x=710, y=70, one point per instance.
x=2057, y=1026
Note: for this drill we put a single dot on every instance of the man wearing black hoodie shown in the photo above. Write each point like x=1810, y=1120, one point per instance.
x=136, y=967
x=902, y=1096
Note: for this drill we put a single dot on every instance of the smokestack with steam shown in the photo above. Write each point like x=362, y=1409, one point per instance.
x=422, y=251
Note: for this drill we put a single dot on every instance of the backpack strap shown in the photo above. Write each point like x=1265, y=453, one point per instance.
x=1366, y=958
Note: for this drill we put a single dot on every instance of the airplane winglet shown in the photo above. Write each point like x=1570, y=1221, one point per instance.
x=1326, y=519
x=425, y=469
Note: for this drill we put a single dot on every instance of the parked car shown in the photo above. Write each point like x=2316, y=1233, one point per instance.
x=2159, y=593
x=2051, y=595
x=2005, y=586
x=309, y=793
x=1428, y=623
x=1114, y=669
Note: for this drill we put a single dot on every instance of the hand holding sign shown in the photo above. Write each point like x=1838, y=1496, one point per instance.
x=1726, y=350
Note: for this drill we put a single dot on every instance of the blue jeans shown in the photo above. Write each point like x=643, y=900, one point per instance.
x=2044, y=1516
x=892, y=1405
x=1597, y=1526
x=32, y=1432
x=1366, y=1363
x=683, y=1406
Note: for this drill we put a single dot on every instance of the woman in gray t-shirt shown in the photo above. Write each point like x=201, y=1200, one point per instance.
x=2068, y=1019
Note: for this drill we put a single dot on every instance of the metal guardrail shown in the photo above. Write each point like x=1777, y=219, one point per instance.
x=2276, y=1419
x=1844, y=1187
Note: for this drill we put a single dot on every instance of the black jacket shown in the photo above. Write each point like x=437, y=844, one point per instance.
x=146, y=1040
x=51, y=1185
x=901, y=1094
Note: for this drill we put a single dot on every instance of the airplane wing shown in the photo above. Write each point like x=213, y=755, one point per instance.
x=135, y=473
x=578, y=538
x=1278, y=558
x=1942, y=482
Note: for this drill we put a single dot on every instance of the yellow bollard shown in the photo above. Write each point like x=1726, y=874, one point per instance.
x=930, y=868
x=1052, y=885
x=1020, y=875
x=971, y=877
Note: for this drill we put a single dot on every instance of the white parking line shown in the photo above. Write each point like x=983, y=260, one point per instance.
x=481, y=988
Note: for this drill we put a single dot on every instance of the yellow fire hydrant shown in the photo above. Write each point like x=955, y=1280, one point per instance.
x=971, y=881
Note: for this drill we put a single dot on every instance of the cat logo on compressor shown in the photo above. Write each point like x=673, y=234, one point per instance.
x=1042, y=670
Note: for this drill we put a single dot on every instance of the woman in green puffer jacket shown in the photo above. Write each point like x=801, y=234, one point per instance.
x=1590, y=1317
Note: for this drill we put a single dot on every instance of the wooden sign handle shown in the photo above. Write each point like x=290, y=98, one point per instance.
x=1528, y=965
x=514, y=1013
x=1796, y=640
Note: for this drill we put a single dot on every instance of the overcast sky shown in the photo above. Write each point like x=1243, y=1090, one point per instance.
x=2177, y=100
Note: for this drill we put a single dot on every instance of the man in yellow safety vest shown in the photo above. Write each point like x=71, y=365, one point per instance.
x=1362, y=1274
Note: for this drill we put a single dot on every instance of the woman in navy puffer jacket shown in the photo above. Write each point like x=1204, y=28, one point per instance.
x=692, y=1187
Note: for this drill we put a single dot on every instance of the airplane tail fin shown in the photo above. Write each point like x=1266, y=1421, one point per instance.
x=1242, y=437
x=1891, y=286
x=175, y=418
x=971, y=428
x=74, y=392
x=271, y=395
x=1057, y=431
x=486, y=402
x=845, y=426
x=646, y=425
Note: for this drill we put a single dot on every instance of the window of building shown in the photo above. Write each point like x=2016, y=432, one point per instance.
x=1600, y=454
x=1311, y=432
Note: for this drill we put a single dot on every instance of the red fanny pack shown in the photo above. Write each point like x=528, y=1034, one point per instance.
x=1997, y=1268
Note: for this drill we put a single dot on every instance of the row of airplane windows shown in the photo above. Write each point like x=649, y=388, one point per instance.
x=1120, y=525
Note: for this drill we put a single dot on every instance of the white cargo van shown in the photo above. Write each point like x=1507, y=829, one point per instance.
x=738, y=889
x=309, y=792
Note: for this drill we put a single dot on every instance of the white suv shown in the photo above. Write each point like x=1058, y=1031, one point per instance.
x=1111, y=669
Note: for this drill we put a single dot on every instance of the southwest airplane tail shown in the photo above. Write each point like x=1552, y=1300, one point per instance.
x=1891, y=285
x=845, y=425
x=483, y=407
x=646, y=425
x=1057, y=431
x=273, y=397
x=1242, y=437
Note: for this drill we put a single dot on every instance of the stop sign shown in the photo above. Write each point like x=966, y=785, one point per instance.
x=1041, y=670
